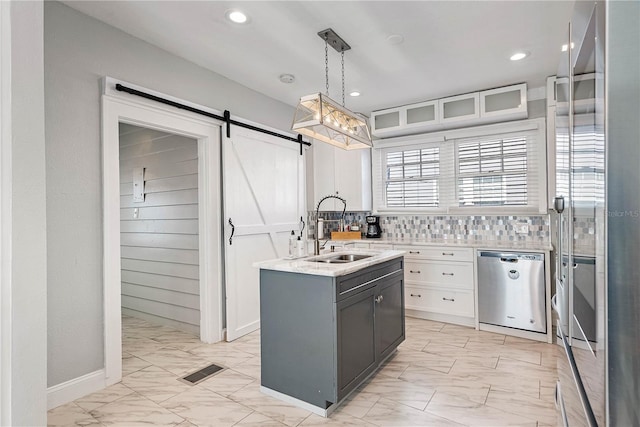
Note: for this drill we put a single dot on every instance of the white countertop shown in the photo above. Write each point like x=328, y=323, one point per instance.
x=482, y=244
x=302, y=265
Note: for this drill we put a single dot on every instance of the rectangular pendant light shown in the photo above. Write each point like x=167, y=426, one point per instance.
x=322, y=118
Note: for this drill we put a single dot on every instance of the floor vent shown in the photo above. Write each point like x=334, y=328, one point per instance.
x=202, y=374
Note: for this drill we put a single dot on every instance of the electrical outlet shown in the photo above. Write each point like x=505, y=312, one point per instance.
x=522, y=228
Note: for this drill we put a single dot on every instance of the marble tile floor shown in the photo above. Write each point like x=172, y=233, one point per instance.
x=442, y=375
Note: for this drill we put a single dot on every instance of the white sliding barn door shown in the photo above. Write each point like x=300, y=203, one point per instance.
x=263, y=180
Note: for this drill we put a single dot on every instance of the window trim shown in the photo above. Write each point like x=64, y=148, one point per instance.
x=447, y=141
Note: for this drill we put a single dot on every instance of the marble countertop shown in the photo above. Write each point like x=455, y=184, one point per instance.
x=304, y=266
x=481, y=244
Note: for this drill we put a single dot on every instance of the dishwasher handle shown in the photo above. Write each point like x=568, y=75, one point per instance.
x=512, y=257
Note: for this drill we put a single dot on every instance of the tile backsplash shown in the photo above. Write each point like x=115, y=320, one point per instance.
x=331, y=221
x=470, y=228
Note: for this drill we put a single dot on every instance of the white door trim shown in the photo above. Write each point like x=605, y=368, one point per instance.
x=120, y=107
x=5, y=213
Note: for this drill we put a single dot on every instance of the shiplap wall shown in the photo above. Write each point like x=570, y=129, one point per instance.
x=160, y=247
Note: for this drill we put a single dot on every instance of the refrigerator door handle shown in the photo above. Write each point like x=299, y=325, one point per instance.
x=560, y=404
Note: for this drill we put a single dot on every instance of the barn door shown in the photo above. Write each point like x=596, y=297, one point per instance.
x=263, y=180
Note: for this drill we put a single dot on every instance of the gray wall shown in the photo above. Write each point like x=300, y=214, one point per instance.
x=26, y=253
x=160, y=278
x=537, y=109
x=78, y=52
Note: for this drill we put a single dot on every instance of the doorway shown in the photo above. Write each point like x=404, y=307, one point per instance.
x=159, y=236
x=122, y=111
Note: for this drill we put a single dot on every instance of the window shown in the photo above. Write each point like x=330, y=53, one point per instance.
x=496, y=168
x=492, y=172
x=412, y=178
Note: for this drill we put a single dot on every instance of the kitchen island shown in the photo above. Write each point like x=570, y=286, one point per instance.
x=327, y=323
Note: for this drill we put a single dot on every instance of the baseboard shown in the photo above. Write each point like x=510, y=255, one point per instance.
x=76, y=388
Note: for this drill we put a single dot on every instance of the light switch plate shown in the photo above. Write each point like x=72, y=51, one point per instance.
x=138, y=184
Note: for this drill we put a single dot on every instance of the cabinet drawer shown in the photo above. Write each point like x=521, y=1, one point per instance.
x=457, y=303
x=446, y=274
x=360, y=281
x=437, y=253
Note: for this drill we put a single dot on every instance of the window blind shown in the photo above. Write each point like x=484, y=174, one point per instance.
x=501, y=171
x=493, y=172
x=411, y=178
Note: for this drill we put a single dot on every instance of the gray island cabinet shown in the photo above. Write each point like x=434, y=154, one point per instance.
x=322, y=336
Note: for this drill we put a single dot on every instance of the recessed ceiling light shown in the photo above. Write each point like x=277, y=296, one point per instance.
x=287, y=78
x=354, y=93
x=518, y=56
x=395, y=39
x=236, y=16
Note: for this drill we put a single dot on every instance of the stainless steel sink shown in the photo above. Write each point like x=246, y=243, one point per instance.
x=351, y=257
x=340, y=259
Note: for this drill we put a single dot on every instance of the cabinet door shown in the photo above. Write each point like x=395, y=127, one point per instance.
x=384, y=123
x=389, y=314
x=356, y=340
x=459, y=108
x=353, y=178
x=422, y=115
x=324, y=176
x=507, y=102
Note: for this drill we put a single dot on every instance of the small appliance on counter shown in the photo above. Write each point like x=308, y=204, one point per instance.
x=373, y=227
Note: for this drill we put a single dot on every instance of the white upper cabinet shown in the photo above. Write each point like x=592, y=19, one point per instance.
x=387, y=120
x=422, y=114
x=459, y=108
x=412, y=118
x=342, y=173
x=505, y=102
x=488, y=106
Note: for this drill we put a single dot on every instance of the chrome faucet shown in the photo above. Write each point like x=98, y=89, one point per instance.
x=316, y=246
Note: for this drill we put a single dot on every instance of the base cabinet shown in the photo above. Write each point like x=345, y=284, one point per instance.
x=440, y=282
x=321, y=337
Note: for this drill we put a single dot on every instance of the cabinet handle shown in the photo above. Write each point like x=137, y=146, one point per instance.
x=414, y=271
x=414, y=252
x=447, y=274
x=447, y=253
x=416, y=295
x=448, y=299
x=379, y=299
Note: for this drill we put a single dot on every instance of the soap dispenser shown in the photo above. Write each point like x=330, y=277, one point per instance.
x=300, y=247
x=292, y=244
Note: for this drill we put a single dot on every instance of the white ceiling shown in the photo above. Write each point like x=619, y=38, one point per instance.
x=449, y=48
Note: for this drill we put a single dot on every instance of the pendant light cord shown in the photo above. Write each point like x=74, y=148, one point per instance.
x=342, y=53
x=326, y=61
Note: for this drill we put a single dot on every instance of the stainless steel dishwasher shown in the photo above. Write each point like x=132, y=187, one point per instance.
x=511, y=290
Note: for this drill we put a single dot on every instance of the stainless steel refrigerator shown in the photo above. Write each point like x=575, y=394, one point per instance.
x=598, y=203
